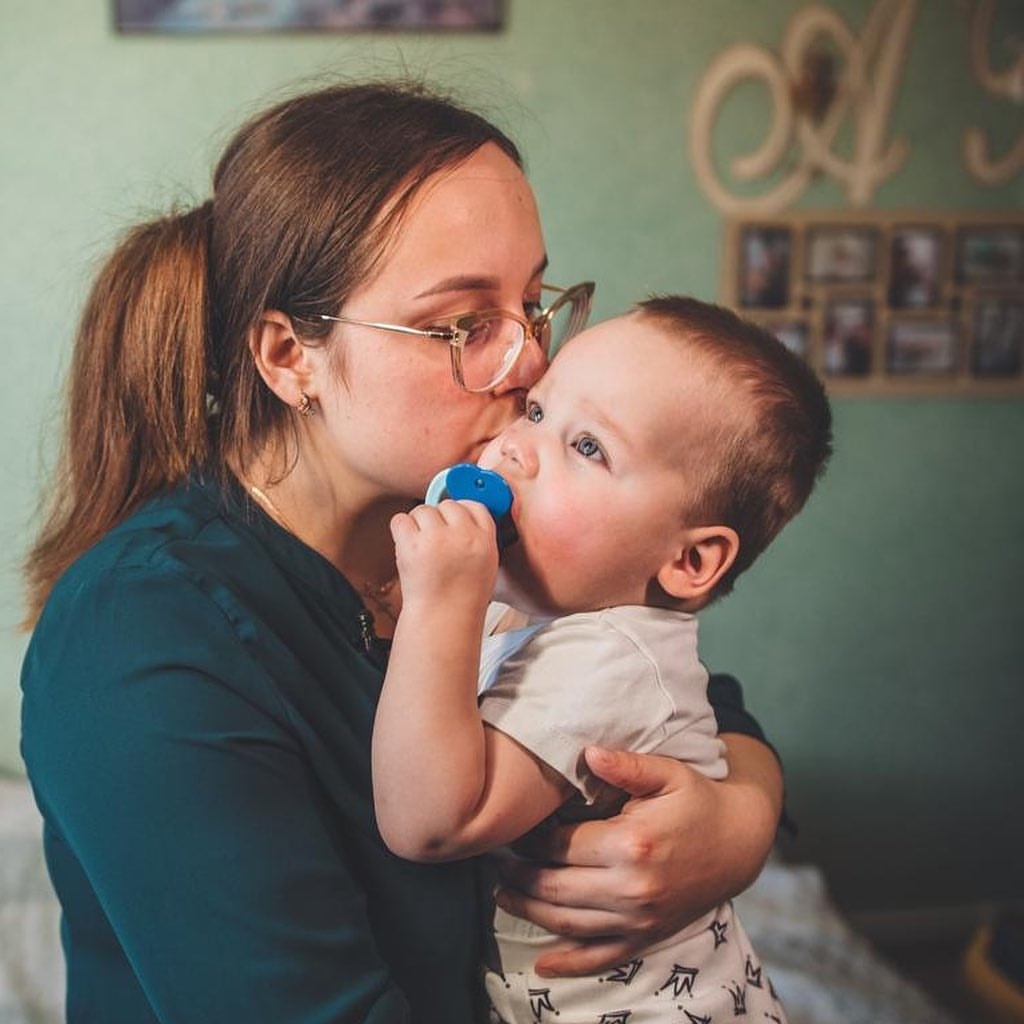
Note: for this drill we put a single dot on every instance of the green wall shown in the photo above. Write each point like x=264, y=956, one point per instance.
x=880, y=640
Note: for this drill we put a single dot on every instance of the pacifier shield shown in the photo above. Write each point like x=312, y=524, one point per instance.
x=466, y=482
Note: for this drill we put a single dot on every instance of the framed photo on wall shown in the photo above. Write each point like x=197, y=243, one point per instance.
x=306, y=15
x=916, y=265
x=841, y=254
x=989, y=255
x=922, y=347
x=998, y=337
x=848, y=337
x=764, y=267
x=888, y=301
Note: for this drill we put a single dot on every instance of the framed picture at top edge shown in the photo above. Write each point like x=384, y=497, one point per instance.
x=998, y=340
x=839, y=253
x=764, y=261
x=306, y=15
x=990, y=255
x=848, y=337
x=922, y=348
x=916, y=267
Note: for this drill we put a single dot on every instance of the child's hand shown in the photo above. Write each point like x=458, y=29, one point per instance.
x=447, y=551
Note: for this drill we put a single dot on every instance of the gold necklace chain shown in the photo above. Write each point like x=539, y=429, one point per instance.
x=377, y=594
x=270, y=508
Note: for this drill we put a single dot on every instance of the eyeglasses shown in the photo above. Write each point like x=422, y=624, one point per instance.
x=485, y=345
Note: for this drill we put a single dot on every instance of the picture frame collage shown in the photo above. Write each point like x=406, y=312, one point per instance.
x=888, y=301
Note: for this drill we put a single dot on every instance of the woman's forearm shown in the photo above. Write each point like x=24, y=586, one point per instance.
x=755, y=780
x=682, y=845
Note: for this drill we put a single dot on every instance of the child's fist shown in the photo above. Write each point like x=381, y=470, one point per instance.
x=446, y=551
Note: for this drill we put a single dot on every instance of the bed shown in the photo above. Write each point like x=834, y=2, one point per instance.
x=824, y=972
x=31, y=966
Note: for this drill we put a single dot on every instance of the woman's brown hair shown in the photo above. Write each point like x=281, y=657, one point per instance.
x=162, y=382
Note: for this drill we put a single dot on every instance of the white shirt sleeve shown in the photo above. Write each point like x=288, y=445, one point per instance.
x=626, y=679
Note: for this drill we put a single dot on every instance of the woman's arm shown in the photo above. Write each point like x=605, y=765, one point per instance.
x=177, y=798
x=682, y=845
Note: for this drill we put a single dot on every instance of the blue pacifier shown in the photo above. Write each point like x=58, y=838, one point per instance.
x=466, y=482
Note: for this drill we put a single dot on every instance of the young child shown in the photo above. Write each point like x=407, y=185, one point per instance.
x=655, y=461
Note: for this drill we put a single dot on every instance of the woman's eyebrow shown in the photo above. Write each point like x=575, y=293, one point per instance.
x=460, y=283
x=473, y=283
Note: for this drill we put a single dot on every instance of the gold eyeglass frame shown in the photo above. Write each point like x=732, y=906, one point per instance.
x=455, y=330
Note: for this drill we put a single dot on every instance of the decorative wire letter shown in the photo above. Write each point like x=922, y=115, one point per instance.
x=872, y=66
x=1008, y=84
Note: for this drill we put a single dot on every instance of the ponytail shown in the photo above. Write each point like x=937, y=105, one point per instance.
x=136, y=420
x=302, y=217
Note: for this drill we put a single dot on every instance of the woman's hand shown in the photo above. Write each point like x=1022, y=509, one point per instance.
x=681, y=845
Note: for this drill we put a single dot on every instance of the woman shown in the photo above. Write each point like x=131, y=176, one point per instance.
x=258, y=386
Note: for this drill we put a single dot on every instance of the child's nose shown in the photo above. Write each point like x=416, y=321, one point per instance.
x=515, y=448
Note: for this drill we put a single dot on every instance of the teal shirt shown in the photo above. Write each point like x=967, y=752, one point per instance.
x=198, y=706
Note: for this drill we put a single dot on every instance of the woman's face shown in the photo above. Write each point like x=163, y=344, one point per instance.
x=392, y=414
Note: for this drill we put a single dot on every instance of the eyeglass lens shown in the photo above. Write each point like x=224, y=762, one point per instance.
x=489, y=349
x=490, y=346
x=567, y=318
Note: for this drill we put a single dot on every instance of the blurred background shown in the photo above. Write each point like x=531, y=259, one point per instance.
x=881, y=640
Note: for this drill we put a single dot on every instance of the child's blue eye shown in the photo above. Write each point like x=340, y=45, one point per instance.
x=588, y=447
x=534, y=413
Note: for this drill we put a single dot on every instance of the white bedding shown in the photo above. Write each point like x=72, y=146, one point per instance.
x=823, y=971
x=31, y=962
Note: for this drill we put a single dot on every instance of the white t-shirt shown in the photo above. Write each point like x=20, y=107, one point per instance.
x=626, y=678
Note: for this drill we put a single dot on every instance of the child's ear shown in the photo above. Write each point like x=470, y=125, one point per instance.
x=281, y=359
x=707, y=554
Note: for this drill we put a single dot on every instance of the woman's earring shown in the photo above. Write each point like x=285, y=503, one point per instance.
x=305, y=406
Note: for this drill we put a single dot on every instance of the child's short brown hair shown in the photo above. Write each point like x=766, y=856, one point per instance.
x=766, y=463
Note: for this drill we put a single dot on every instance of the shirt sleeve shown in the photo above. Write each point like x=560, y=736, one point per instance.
x=582, y=682
x=173, y=784
x=726, y=697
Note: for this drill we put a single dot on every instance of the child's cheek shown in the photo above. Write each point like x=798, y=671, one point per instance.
x=556, y=536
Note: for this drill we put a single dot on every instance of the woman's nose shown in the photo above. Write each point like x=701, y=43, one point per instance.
x=528, y=368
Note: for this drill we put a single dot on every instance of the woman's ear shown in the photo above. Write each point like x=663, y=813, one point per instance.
x=282, y=360
x=707, y=554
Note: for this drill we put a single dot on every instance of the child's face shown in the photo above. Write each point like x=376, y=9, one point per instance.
x=598, y=468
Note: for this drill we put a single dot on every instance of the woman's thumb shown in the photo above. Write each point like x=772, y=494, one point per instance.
x=637, y=774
